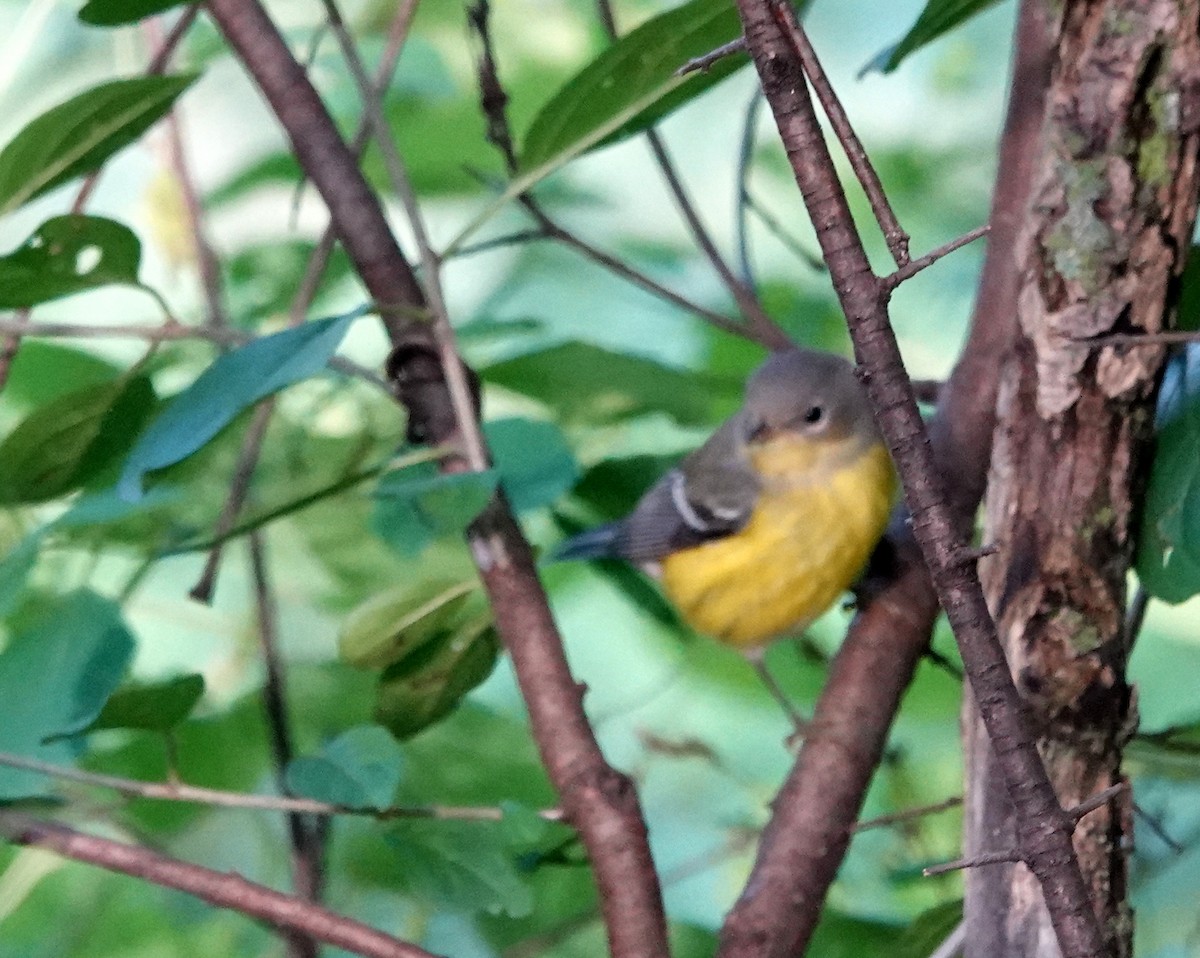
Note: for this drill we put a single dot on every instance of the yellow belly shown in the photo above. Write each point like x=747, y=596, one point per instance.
x=804, y=545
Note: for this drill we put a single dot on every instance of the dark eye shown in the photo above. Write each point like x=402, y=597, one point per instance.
x=814, y=414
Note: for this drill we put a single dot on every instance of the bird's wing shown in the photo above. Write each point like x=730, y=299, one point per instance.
x=709, y=495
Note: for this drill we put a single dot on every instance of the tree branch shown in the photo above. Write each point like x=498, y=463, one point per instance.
x=774, y=39
x=223, y=890
x=596, y=799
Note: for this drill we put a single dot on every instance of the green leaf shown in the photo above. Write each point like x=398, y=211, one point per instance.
x=587, y=384
x=460, y=866
x=112, y=13
x=77, y=137
x=427, y=685
x=15, y=568
x=535, y=463
x=43, y=371
x=67, y=442
x=928, y=930
x=67, y=255
x=56, y=673
x=1168, y=557
x=234, y=382
x=633, y=83
x=151, y=706
x=391, y=625
x=360, y=768
x=417, y=504
x=626, y=89
x=938, y=17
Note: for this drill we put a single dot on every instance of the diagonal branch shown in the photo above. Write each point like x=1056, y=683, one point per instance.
x=774, y=39
x=599, y=801
x=224, y=890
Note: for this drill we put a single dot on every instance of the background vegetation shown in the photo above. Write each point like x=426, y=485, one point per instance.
x=591, y=384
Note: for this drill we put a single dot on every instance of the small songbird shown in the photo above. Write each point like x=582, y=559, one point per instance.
x=759, y=531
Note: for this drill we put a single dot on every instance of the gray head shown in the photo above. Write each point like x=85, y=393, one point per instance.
x=806, y=392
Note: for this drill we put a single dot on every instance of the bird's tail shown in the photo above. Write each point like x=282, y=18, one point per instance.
x=598, y=543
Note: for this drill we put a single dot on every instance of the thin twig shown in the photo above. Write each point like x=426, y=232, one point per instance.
x=989, y=858
x=1157, y=828
x=765, y=328
x=239, y=488
x=474, y=447
x=910, y=269
x=1085, y=807
x=742, y=197
x=704, y=63
x=167, y=332
x=493, y=101
x=897, y=818
x=775, y=227
x=217, y=798
x=224, y=890
x=307, y=837
x=1167, y=337
x=318, y=260
x=895, y=236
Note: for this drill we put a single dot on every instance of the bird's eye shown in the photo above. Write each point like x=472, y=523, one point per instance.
x=813, y=415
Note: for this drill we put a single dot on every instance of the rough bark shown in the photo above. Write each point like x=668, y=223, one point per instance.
x=1114, y=199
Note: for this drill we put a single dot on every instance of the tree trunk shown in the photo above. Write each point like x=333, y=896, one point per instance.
x=1113, y=204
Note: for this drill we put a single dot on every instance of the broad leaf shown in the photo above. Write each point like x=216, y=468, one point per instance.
x=15, y=568
x=234, y=382
x=585, y=383
x=360, y=768
x=66, y=255
x=389, y=626
x=535, y=463
x=418, y=504
x=938, y=17
x=634, y=82
x=421, y=689
x=56, y=673
x=78, y=136
x=1168, y=558
x=112, y=13
x=67, y=442
x=151, y=706
x=629, y=87
x=460, y=866
x=44, y=370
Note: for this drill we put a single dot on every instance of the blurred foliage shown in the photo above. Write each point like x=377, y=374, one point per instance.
x=592, y=388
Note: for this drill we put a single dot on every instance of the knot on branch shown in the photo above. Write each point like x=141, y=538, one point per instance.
x=418, y=381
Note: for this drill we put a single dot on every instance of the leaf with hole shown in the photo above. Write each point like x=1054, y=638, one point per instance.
x=64, y=444
x=360, y=768
x=938, y=17
x=113, y=13
x=234, y=382
x=151, y=706
x=68, y=255
x=459, y=866
x=77, y=137
x=56, y=672
x=1168, y=556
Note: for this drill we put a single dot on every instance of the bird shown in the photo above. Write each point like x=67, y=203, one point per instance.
x=759, y=531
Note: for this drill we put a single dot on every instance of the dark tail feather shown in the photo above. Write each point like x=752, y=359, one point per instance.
x=598, y=543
